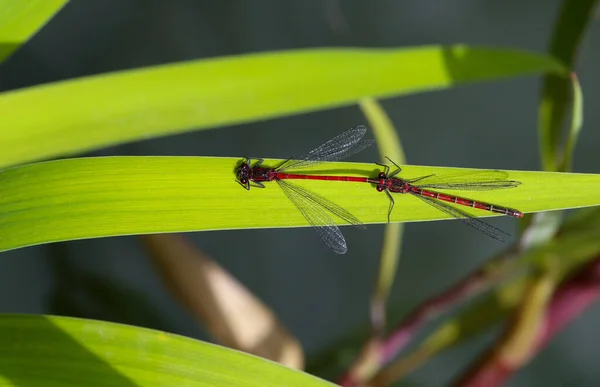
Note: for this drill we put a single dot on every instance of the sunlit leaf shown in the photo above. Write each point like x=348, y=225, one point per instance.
x=88, y=113
x=58, y=351
x=21, y=19
x=105, y=196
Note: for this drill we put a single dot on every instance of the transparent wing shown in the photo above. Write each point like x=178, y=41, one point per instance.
x=314, y=208
x=471, y=181
x=464, y=217
x=338, y=148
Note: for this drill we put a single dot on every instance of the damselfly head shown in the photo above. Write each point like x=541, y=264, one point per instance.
x=243, y=175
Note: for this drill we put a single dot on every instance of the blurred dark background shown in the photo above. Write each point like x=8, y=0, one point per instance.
x=321, y=297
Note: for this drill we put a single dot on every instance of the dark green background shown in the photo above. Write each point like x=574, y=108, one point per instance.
x=321, y=297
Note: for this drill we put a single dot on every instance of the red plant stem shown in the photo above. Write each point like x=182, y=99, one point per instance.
x=386, y=349
x=568, y=302
x=573, y=297
x=431, y=308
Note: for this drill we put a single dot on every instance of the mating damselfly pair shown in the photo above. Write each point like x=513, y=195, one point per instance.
x=317, y=209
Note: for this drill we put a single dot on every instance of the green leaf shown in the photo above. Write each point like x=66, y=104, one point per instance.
x=88, y=113
x=52, y=351
x=573, y=20
x=105, y=196
x=21, y=19
x=576, y=124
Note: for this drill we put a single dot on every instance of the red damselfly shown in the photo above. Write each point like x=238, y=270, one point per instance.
x=423, y=187
x=313, y=207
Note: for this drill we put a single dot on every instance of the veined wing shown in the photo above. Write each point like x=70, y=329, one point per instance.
x=314, y=208
x=470, y=181
x=338, y=148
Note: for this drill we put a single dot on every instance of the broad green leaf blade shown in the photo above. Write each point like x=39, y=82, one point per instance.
x=88, y=113
x=573, y=20
x=52, y=351
x=21, y=19
x=105, y=196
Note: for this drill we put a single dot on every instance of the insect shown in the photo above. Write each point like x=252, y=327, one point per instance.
x=314, y=208
x=425, y=188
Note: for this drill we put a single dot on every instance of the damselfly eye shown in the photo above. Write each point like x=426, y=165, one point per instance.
x=244, y=181
x=382, y=175
x=379, y=188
